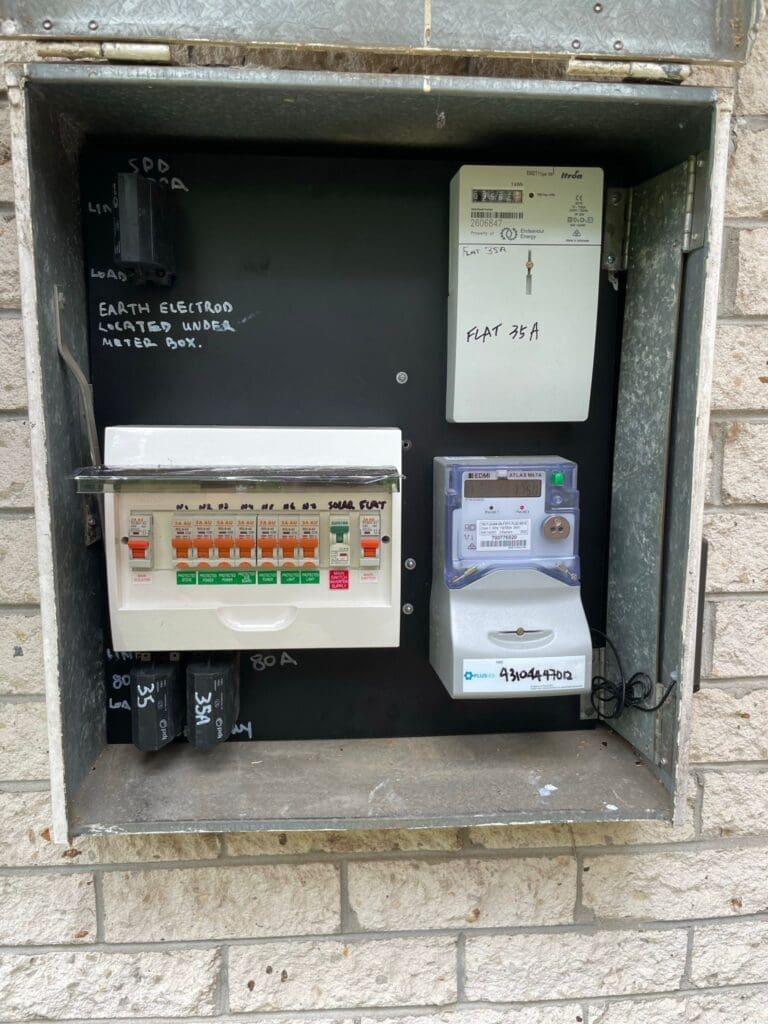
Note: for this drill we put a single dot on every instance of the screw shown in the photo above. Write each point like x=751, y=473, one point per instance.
x=597, y=8
x=699, y=164
x=410, y=563
x=407, y=445
x=610, y=260
x=93, y=25
x=408, y=609
x=91, y=520
x=615, y=199
x=401, y=377
x=618, y=45
x=576, y=44
x=47, y=24
x=589, y=712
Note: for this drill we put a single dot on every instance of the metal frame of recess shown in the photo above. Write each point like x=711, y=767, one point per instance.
x=646, y=131
x=688, y=30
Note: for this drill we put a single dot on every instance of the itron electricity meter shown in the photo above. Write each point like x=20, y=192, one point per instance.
x=506, y=618
x=522, y=295
x=230, y=538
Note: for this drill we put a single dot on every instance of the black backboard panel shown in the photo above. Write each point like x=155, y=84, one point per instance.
x=336, y=269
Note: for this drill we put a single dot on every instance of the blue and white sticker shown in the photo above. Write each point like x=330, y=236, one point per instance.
x=523, y=675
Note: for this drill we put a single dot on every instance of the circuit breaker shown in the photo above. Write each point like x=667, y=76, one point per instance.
x=243, y=538
x=506, y=612
x=522, y=296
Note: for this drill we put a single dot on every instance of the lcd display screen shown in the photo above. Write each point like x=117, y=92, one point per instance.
x=502, y=488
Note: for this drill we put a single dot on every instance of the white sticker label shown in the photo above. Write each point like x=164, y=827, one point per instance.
x=523, y=675
x=141, y=577
x=503, y=534
x=369, y=576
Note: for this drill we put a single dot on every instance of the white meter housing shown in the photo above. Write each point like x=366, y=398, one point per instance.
x=522, y=295
x=506, y=618
x=241, y=538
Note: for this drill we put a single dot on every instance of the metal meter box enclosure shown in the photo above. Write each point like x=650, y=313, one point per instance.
x=343, y=329
x=233, y=538
x=522, y=295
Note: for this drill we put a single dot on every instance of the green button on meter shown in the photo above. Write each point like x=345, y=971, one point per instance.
x=558, y=477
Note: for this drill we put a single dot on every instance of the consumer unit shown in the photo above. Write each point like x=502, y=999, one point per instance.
x=240, y=538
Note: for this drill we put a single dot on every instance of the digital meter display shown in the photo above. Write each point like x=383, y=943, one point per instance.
x=502, y=488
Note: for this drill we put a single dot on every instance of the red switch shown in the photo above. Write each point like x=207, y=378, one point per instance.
x=203, y=545
x=267, y=547
x=289, y=547
x=309, y=550
x=181, y=546
x=139, y=549
x=224, y=546
x=370, y=546
x=244, y=548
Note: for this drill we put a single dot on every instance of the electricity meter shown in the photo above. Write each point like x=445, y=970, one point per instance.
x=506, y=618
x=230, y=538
x=522, y=295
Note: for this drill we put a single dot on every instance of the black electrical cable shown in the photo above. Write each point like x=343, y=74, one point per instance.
x=622, y=693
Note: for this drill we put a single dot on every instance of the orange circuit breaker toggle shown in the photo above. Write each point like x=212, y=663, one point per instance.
x=139, y=540
x=183, y=542
x=370, y=540
x=267, y=542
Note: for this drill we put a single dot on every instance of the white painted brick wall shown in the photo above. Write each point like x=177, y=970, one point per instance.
x=740, y=378
x=496, y=893
x=302, y=975
x=228, y=902
x=510, y=968
x=591, y=924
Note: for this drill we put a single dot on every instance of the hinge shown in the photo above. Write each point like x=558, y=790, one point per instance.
x=618, y=207
x=632, y=70
x=131, y=53
x=694, y=228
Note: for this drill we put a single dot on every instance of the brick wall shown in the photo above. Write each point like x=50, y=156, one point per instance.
x=596, y=924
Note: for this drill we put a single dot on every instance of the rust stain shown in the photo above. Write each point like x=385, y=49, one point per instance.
x=473, y=915
x=736, y=902
x=46, y=835
x=733, y=431
x=72, y=852
x=763, y=380
x=251, y=985
x=81, y=934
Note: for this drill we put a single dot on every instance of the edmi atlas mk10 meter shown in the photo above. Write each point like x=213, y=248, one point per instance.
x=506, y=614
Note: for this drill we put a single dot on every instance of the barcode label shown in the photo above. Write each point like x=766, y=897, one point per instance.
x=504, y=534
x=496, y=214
